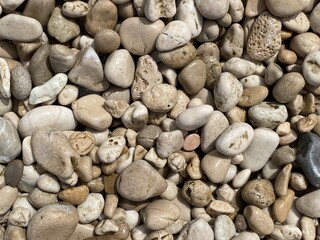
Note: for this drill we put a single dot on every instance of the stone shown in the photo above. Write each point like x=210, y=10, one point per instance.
x=160, y=98
x=307, y=155
x=21, y=83
x=26, y=29
x=106, y=41
x=116, y=107
x=196, y=229
x=263, y=144
x=8, y=196
x=57, y=117
x=91, y=208
x=75, y=9
x=29, y=179
x=160, y=214
x=111, y=148
x=246, y=236
x=146, y=76
x=239, y=67
x=155, y=9
x=209, y=32
x=235, y=139
x=53, y=221
x=39, y=66
x=82, y=142
x=308, y=228
x=305, y=43
x=232, y=43
x=53, y=151
x=298, y=181
x=227, y=92
x=175, y=34
x=39, y=198
x=62, y=58
x=268, y=114
x=180, y=57
x=258, y=192
x=281, y=9
x=102, y=15
x=10, y=146
x=307, y=204
x=212, y=130
x=197, y=193
x=258, y=47
x=193, y=76
x=216, y=10
x=224, y=228
x=119, y=68
x=286, y=232
x=191, y=142
x=188, y=12
x=282, y=181
x=62, y=28
x=169, y=142
x=253, y=96
x=310, y=67
x=215, y=166
x=139, y=35
x=281, y=208
x=40, y=10
x=136, y=116
x=90, y=111
x=148, y=135
x=88, y=71
x=140, y=181
x=13, y=172
x=48, y=183
x=258, y=220
x=5, y=79
x=298, y=23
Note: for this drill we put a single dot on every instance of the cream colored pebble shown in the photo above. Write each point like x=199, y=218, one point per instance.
x=241, y=178
x=132, y=218
x=225, y=193
x=110, y=206
x=171, y=191
x=283, y=129
x=287, y=139
x=298, y=181
x=282, y=181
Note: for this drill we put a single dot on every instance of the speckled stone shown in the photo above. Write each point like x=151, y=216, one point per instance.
x=308, y=153
x=13, y=172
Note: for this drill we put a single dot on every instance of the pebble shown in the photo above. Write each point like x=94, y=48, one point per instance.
x=160, y=214
x=56, y=154
x=187, y=11
x=95, y=117
x=298, y=23
x=282, y=181
x=62, y=58
x=61, y=28
x=193, y=77
x=108, y=36
x=140, y=181
x=215, y=166
x=48, y=183
x=196, y=229
x=91, y=208
x=82, y=142
x=298, y=181
x=286, y=232
x=280, y=8
x=194, y=117
x=13, y=172
x=233, y=42
x=53, y=221
x=10, y=148
x=264, y=41
x=216, y=10
x=160, y=98
x=310, y=66
x=268, y=114
x=164, y=9
x=307, y=155
x=314, y=18
x=305, y=43
x=5, y=79
x=139, y=35
x=27, y=29
x=258, y=220
x=75, y=9
x=169, y=142
x=175, y=34
x=119, y=68
x=227, y=92
x=224, y=228
x=241, y=178
x=111, y=148
x=209, y=32
x=8, y=196
x=102, y=15
x=258, y=192
x=32, y=10
x=21, y=83
x=197, y=193
x=263, y=144
x=239, y=67
x=39, y=198
x=191, y=142
x=136, y=116
x=29, y=178
x=282, y=206
x=253, y=96
x=308, y=228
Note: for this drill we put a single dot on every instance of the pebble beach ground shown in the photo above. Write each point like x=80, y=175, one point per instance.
x=159, y=120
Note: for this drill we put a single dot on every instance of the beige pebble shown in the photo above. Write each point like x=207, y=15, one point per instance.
x=39, y=198
x=62, y=58
x=233, y=42
x=253, y=96
x=283, y=129
x=8, y=196
x=298, y=181
x=282, y=181
x=289, y=138
x=239, y=67
x=53, y=221
x=198, y=229
x=232, y=171
x=209, y=32
x=307, y=205
x=307, y=123
x=169, y=142
x=159, y=9
x=194, y=168
x=308, y=228
x=282, y=205
x=19, y=216
x=82, y=142
x=305, y=43
x=144, y=31
x=48, y=183
x=241, y=178
x=106, y=41
x=286, y=232
x=75, y=195
x=136, y=116
x=82, y=231
x=197, y=193
x=225, y=193
x=191, y=142
x=254, y=8
x=218, y=207
x=298, y=22
x=97, y=117
x=258, y=220
x=84, y=169
x=91, y=208
x=75, y=9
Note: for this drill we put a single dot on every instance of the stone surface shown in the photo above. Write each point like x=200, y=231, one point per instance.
x=91, y=208
x=281, y=9
x=21, y=83
x=8, y=196
x=13, y=172
x=196, y=229
x=75, y=9
x=310, y=68
x=307, y=204
x=140, y=181
x=26, y=29
x=62, y=58
x=308, y=155
x=258, y=220
x=106, y=41
x=169, y=142
x=53, y=221
x=40, y=10
x=224, y=228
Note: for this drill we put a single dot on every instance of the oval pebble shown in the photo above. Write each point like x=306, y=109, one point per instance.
x=91, y=208
x=311, y=67
x=235, y=139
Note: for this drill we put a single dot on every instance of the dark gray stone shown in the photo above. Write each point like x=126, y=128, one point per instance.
x=308, y=157
x=13, y=172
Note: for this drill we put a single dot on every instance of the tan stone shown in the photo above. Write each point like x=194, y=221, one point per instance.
x=282, y=181
x=74, y=195
x=258, y=220
x=282, y=206
x=252, y=96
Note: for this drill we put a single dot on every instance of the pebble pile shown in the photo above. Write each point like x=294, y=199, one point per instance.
x=159, y=119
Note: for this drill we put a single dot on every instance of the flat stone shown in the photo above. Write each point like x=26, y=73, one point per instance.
x=75, y=9
x=13, y=172
x=26, y=29
x=280, y=8
x=140, y=181
x=53, y=151
x=54, y=221
x=139, y=35
x=102, y=15
x=61, y=28
x=90, y=111
x=308, y=204
x=308, y=153
x=88, y=71
x=10, y=146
